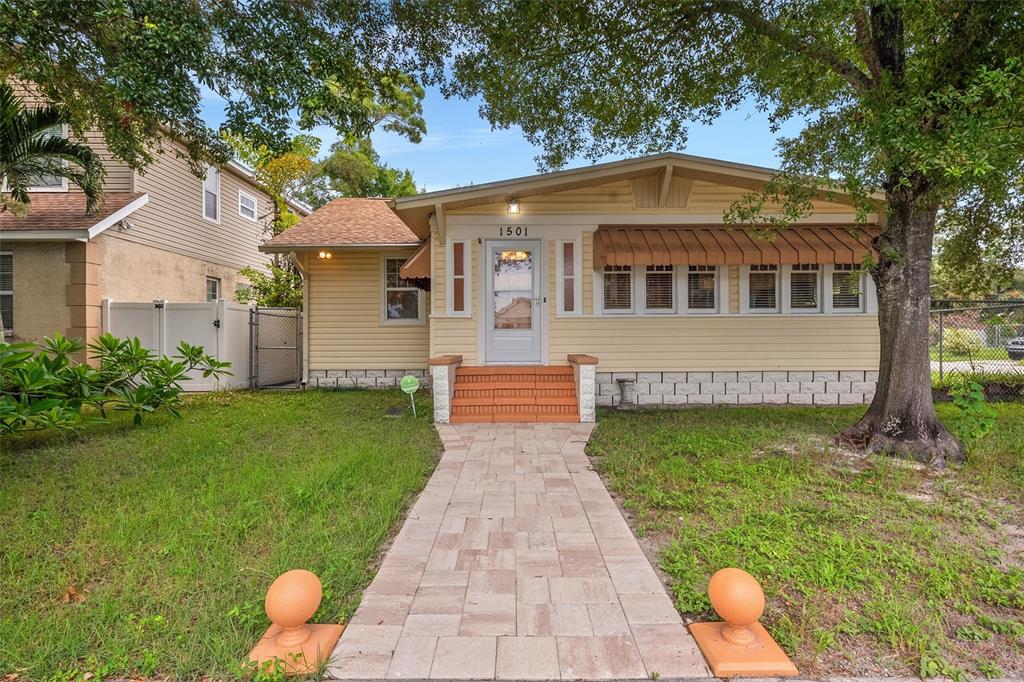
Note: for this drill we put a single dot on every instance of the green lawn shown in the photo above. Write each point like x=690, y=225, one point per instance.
x=148, y=551
x=870, y=566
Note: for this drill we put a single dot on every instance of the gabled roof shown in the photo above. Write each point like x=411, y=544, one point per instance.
x=345, y=223
x=416, y=210
x=61, y=216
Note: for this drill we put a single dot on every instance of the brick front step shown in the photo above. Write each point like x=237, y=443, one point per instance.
x=514, y=394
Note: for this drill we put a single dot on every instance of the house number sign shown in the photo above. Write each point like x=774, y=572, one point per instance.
x=512, y=231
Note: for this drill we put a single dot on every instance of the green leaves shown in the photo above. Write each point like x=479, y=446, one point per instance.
x=42, y=387
x=977, y=417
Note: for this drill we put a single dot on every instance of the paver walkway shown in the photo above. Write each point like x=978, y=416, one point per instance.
x=515, y=563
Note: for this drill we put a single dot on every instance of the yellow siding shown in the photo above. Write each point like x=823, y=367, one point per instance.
x=345, y=331
x=734, y=289
x=586, y=273
x=789, y=342
x=173, y=218
x=616, y=197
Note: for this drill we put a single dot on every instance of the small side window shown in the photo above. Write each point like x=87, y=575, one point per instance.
x=211, y=194
x=247, y=205
x=212, y=289
x=459, y=277
x=7, y=291
x=401, y=297
x=568, y=277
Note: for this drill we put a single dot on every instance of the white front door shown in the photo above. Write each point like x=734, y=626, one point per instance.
x=512, y=302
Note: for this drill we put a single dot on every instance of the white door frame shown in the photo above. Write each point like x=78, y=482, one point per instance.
x=540, y=309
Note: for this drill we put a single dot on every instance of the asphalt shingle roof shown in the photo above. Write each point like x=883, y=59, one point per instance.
x=346, y=222
x=64, y=211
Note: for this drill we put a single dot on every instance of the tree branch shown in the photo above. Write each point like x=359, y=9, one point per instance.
x=866, y=43
x=804, y=45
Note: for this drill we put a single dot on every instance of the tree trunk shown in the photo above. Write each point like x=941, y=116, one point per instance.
x=902, y=419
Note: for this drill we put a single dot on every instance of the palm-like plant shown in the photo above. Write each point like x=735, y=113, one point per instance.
x=29, y=150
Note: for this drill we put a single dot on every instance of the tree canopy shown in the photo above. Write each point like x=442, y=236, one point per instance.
x=136, y=68
x=354, y=169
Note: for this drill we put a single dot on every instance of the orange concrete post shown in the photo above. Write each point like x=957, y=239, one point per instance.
x=301, y=648
x=740, y=646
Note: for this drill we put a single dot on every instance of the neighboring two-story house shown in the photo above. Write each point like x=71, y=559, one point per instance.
x=161, y=234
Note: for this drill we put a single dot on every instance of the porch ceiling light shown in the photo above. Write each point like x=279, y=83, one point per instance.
x=513, y=207
x=324, y=254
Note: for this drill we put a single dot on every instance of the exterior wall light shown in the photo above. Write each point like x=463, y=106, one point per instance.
x=324, y=254
x=513, y=207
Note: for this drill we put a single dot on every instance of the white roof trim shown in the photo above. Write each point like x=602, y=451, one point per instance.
x=76, y=235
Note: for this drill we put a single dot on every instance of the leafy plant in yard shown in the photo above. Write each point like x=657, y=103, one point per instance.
x=976, y=416
x=43, y=387
x=964, y=342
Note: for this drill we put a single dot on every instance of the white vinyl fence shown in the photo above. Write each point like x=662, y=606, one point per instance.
x=220, y=327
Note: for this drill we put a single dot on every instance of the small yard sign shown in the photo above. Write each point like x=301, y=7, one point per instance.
x=410, y=385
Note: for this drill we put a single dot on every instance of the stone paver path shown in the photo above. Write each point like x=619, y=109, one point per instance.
x=515, y=563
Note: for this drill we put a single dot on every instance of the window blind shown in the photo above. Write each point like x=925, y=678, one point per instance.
x=659, y=287
x=846, y=287
x=569, y=277
x=803, y=287
x=762, y=287
x=700, y=287
x=618, y=294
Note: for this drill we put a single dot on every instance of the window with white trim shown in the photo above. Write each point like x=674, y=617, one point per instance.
x=569, y=277
x=401, y=297
x=459, y=270
x=659, y=285
x=701, y=287
x=247, y=205
x=212, y=289
x=211, y=194
x=7, y=291
x=804, y=288
x=763, y=288
x=847, y=294
x=50, y=183
x=618, y=288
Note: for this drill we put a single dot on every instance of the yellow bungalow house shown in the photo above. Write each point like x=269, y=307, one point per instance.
x=539, y=298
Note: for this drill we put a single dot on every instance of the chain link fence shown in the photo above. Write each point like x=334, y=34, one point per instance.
x=275, y=347
x=980, y=341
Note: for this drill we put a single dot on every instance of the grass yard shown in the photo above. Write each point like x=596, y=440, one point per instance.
x=147, y=551
x=870, y=566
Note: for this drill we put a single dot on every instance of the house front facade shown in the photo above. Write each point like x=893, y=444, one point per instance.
x=163, y=234
x=551, y=294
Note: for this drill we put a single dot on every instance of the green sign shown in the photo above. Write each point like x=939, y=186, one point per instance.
x=409, y=384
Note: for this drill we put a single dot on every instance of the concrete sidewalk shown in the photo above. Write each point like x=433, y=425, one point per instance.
x=515, y=563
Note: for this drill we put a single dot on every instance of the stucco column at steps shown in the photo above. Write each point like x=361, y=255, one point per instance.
x=83, y=296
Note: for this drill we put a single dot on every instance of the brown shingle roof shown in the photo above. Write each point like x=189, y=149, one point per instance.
x=64, y=211
x=345, y=222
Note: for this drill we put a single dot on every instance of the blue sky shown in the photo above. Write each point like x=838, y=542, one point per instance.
x=461, y=149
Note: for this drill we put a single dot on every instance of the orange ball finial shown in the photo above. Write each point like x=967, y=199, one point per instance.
x=292, y=600
x=738, y=598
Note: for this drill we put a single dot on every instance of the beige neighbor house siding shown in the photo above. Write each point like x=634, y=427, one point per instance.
x=173, y=218
x=41, y=277
x=138, y=272
x=345, y=328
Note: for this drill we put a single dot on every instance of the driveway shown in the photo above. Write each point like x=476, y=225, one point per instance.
x=515, y=563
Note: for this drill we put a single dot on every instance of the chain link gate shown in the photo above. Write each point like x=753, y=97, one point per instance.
x=275, y=348
x=980, y=341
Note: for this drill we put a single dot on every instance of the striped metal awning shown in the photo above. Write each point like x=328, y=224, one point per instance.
x=718, y=245
x=418, y=265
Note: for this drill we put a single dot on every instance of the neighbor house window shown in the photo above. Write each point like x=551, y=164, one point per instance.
x=7, y=290
x=618, y=288
x=658, y=285
x=762, y=288
x=401, y=297
x=700, y=288
x=247, y=205
x=211, y=194
x=569, y=277
x=50, y=183
x=804, y=288
x=846, y=289
x=212, y=289
x=459, y=269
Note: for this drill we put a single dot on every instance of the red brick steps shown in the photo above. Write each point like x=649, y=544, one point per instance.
x=514, y=394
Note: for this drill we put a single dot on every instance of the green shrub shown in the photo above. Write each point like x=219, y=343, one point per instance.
x=43, y=387
x=961, y=342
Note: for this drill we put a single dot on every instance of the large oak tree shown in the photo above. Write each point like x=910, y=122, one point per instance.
x=919, y=99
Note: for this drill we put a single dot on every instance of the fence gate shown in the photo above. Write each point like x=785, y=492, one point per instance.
x=275, y=336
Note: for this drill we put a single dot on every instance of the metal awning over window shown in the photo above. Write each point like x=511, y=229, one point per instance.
x=418, y=265
x=718, y=245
